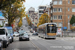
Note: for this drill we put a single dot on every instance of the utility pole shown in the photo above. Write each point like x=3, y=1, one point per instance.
x=51, y=11
x=48, y=12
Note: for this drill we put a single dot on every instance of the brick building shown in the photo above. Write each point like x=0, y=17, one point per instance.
x=63, y=11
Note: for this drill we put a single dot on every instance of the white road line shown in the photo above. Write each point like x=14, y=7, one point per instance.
x=35, y=45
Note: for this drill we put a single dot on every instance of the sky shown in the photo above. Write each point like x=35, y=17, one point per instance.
x=1, y=14
x=35, y=3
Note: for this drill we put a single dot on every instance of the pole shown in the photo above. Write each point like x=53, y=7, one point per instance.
x=48, y=13
x=51, y=4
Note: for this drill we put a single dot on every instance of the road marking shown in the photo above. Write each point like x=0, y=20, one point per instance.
x=35, y=45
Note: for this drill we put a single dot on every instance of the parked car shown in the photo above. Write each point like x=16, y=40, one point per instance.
x=36, y=33
x=1, y=45
x=16, y=34
x=4, y=37
x=11, y=32
x=21, y=31
x=24, y=36
x=31, y=31
x=10, y=38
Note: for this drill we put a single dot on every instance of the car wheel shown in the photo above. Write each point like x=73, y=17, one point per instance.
x=12, y=40
x=28, y=39
x=5, y=46
x=1, y=48
x=20, y=39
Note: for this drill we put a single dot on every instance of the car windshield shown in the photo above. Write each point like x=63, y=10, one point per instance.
x=2, y=31
x=25, y=34
x=15, y=32
x=8, y=34
x=9, y=30
x=21, y=31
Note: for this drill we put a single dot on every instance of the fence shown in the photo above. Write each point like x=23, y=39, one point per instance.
x=67, y=34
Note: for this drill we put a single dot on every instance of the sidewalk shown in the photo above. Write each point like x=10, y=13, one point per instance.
x=66, y=38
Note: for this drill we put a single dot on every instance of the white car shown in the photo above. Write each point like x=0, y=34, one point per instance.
x=4, y=37
x=16, y=34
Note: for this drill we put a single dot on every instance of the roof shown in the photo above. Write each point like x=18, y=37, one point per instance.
x=8, y=27
x=47, y=23
x=2, y=18
x=42, y=6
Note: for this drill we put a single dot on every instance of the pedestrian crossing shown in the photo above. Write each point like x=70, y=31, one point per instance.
x=35, y=38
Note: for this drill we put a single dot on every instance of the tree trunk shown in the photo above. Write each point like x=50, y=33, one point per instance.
x=9, y=21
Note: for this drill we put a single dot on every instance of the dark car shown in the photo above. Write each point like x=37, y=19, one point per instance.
x=36, y=33
x=24, y=36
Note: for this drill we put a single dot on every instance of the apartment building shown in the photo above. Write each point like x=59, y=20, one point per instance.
x=62, y=12
x=33, y=15
x=40, y=10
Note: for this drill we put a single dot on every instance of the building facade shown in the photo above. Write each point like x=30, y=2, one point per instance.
x=40, y=10
x=63, y=11
x=33, y=15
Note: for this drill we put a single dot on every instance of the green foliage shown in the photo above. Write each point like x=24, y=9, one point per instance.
x=28, y=20
x=20, y=23
x=14, y=10
x=72, y=20
x=5, y=3
x=43, y=19
x=1, y=26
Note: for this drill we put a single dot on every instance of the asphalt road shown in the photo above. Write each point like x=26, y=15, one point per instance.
x=37, y=43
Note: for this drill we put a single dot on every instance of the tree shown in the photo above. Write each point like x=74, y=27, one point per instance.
x=20, y=23
x=28, y=20
x=43, y=19
x=72, y=20
x=14, y=11
x=5, y=3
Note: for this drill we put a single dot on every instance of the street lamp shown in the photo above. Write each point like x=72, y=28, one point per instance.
x=68, y=24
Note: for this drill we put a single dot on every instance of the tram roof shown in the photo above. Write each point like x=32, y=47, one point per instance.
x=47, y=23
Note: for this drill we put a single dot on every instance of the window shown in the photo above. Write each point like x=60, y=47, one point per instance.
x=55, y=3
x=2, y=31
x=55, y=10
x=54, y=17
x=68, y=9
x=73, y=1
x=68, y=16
x=60, y=24
x=39, y=15
x=59, y=9
x=40, y=11
x=73, y=9
x=51, y=29
x=60, y=2
x=60, y=17
x=68, y=1
x=42, y=7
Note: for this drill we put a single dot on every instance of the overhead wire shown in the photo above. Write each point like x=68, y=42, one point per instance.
x=42, y=2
